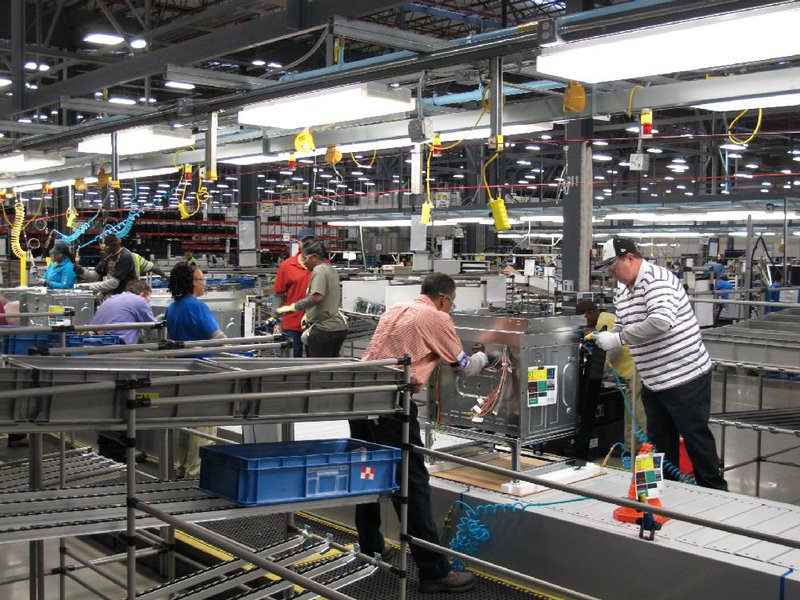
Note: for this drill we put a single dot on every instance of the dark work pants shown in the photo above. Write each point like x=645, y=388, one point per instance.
x=325, y=343
x=297, y=343
x=389, y=432
x=684, y=410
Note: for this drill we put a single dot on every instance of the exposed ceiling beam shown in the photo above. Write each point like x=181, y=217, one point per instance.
x=16, y=127
x=90, y=105
x=382, y=35
x=48, y=52
x=216, y=79
x=269, y=28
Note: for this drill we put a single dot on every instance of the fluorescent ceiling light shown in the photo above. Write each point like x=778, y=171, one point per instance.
x=258, y=62
x=139, y=140
x=772, y=101
x=542, y=219
x=138, y=43
x=484, y=132
x=348, y=103
x=31, y=65
x=144, y=173
x=121, y=100
x=179, y=85
x=22, y=162
x=274, y=65
x=704, y=217
x=673, y=48
x=373, y=223
x=4, y=82
x=103, y=39
x=657, y=234
x=254, y=159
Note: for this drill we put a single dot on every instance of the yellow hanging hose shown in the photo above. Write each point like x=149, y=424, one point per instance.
x=16, y=248
x=16, y=231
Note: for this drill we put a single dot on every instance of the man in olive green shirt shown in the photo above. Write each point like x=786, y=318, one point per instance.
x=622, y=362
x=327, y=325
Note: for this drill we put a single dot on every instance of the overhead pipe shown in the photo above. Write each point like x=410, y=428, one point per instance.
x=434, y=11
x=477, y=94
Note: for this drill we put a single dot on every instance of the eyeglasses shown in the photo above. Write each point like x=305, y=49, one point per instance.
x=452, y=302
x=611, y=264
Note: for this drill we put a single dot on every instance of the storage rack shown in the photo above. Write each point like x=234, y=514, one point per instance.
x=320, y=388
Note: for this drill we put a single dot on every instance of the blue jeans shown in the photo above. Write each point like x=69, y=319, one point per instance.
x=297, y=343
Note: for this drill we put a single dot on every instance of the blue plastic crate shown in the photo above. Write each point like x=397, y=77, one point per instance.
x=27, y=343
x=253, y=474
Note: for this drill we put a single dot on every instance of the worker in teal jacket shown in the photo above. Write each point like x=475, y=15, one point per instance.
x=60, y=273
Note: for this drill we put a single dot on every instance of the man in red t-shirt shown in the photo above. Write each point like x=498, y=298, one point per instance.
x=291, y=285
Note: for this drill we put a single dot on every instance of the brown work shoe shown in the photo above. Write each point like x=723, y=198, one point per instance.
x=455, y=581
x=24, y=442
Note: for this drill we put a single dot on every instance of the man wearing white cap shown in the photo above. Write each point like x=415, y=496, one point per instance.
x=657, y=322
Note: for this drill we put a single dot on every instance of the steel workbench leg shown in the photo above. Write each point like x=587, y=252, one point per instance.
x=758, y=433
x=36, y=549
x=130, y=452
x=406, y=454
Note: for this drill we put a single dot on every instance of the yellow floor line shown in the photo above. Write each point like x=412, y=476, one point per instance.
x=501, y=580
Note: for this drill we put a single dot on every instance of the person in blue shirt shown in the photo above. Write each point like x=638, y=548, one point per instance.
x=722, y=284
x=60, y=273
x=189, y=319
x=774, y=295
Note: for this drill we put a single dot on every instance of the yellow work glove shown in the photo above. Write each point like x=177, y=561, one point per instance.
x=286, y=309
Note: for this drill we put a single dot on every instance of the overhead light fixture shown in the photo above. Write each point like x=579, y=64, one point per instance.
x=373, y=223
x=138, y=140
x=21, y=162
x=138, y=43
x=121, y=100
x=255, y=159
x=477, y=133
x=274, y=65
x=179, y=85
x=4, y=82
x=103, y=39
x=258, y=62
x=542, y=219
x=641, y=53
x=772, y=101
x=348, y=103
x=145, y=173
x=44, y=67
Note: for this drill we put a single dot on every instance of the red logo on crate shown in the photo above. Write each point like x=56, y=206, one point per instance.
x=368, y=473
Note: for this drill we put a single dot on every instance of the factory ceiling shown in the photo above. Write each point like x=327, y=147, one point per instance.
x=61, y=87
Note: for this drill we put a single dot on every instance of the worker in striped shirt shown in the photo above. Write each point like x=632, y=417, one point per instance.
x=423, y=329
x=657, y=322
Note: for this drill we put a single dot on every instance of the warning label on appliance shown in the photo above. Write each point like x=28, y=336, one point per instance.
x=542, y=385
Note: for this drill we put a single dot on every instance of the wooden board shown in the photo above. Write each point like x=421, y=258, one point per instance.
x=483, y=479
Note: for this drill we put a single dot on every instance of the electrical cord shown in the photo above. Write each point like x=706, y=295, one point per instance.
x=736, y=140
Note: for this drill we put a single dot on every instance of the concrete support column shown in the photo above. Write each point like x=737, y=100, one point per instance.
x=577, y=244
